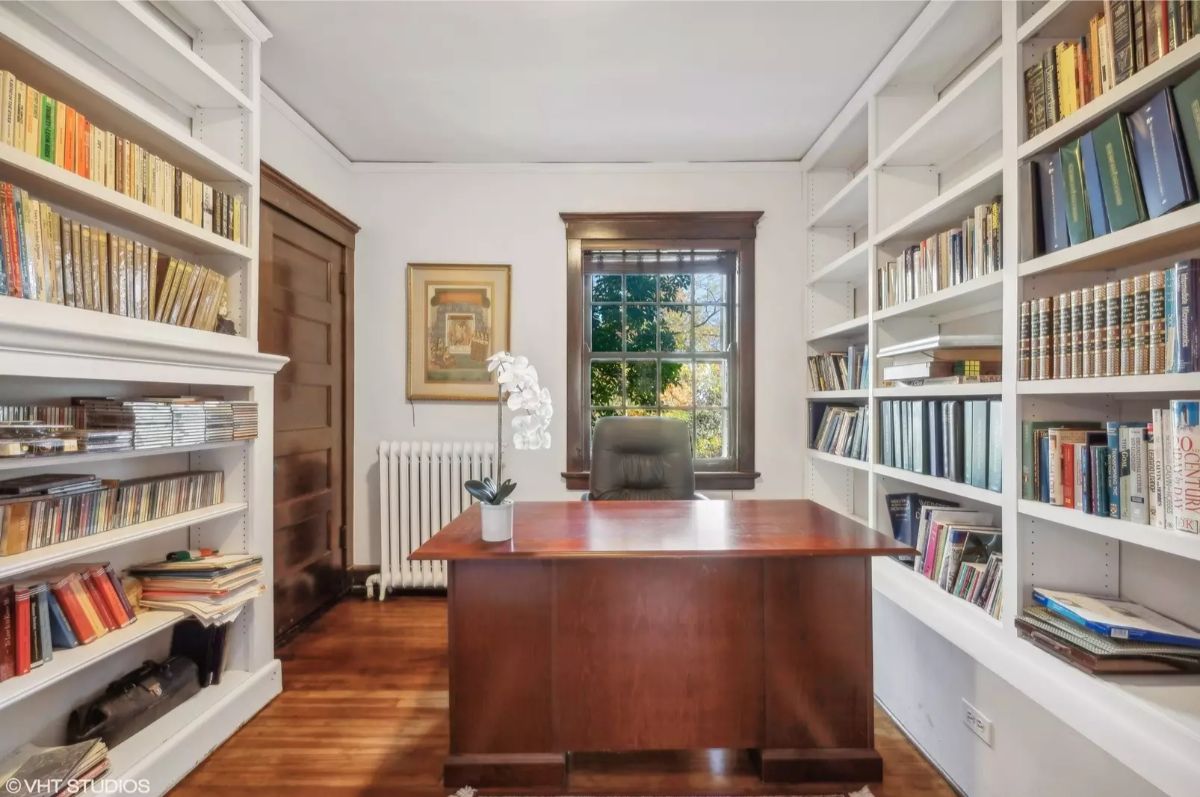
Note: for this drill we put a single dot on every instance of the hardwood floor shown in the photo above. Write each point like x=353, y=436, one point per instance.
x=363, y=714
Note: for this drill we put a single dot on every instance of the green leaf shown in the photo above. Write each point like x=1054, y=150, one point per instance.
x=481, y=491
x=504, y=491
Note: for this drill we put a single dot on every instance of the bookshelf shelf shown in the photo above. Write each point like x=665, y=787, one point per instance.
x=1152, y=239
x=71, y=460
x=943, y=485
x=847, y=208
x=835, y=395
x=969, y=295
x=946, y=209
x=857, y=464
x=79, y=194
x=1178, y=543
x=42, y=558
x=963, y=118
x=1056, y=19
x=1124, y=96
x=938, y=391
x=850, y=267
x=167, y=749
x=72, y=78
x=1112, y=385
x=133, y=37
x=851, y=328
x=902, y=584
x=67, y=663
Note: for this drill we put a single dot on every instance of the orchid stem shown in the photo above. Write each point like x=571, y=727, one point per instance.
x=499, y=432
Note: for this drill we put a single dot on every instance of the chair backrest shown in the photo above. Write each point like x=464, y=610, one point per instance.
x=639, y=459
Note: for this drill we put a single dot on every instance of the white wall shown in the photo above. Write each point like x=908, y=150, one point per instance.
x=295, y=148
x=510, y=215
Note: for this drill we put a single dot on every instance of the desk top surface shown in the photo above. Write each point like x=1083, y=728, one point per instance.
x=644, y=529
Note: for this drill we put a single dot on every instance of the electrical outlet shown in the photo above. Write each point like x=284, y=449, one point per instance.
x=980, y=725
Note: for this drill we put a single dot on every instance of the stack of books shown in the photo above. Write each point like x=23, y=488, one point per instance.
x=961, y=551
x=838, y=371
x=1140, y=471
x=1073, y=73
x=211, y=588
x=37, y=511
x=51, y=258
x=47, y=128
x=1145, y=324
x=1130, y=168
x=840, y=430
x=1103, y=636
x=72, y=766
x=60, y=610
x=950, y=439
x=942, y=359
x=949, y=258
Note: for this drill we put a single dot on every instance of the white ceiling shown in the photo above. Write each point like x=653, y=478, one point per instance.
x=506, y=82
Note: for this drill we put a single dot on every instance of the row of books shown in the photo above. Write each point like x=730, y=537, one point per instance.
x=1121, y=40
x=46, y=509
x=1142, y=471
x=60, y=610
x=841, y=430
x=1136, y=325
x=949, y=439
x=51, y=258
x=44, y=127
x=838, y=370
x=1130, y=168
x=89, y=424
x=949, y=258
x=959, y=550
x=1107, y=636
x=211, y=587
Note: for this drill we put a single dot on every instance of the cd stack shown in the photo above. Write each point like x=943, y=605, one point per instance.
x=102, y=439
x=29, y=438
x=218, y=421
x=151, y=421
x=245, y=420
x=188, y=422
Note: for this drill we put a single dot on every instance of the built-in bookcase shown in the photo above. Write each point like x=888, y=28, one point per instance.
x=937, y=128
x=181, y=80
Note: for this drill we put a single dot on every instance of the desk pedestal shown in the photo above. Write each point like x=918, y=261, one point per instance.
x=630, y=653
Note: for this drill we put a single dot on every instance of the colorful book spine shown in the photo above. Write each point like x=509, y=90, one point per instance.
x=1185, y=464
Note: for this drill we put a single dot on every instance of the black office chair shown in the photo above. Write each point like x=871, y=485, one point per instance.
x=642, y=459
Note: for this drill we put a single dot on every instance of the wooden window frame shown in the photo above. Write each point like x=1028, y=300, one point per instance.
x=733, y=230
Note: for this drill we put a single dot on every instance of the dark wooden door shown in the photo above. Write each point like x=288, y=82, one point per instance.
x=303, y=316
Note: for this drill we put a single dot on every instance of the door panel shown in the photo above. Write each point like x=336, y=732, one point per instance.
x=302, y=317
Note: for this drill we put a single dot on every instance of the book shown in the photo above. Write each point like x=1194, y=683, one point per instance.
x=1118, y=175
x=1051, y=199
x=1164, y=173
x=1075, y=201
x=1187, y=106
x=1185, y=464
x=1116, y=618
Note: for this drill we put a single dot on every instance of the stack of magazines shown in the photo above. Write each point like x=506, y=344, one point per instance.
x=1107, y=636
x=211, y=588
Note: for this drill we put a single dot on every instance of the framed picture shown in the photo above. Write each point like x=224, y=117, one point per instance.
x=458, y=316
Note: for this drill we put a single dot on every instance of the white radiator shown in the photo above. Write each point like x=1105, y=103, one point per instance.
x=420, y=491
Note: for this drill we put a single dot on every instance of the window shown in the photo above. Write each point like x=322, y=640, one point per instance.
x=661, y=309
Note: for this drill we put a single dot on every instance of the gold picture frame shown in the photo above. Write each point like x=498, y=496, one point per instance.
x=458, y=315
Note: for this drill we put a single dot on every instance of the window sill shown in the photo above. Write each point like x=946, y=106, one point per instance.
x=705, y=480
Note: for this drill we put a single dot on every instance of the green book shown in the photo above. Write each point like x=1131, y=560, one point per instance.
x=1079, y=222
x=1187, y=105
x=979, y=446
x=1118, y=176
x=47, y=131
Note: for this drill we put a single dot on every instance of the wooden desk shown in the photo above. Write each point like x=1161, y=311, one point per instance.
x=659, y=626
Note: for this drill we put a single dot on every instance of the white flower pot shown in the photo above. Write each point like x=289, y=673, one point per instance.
x=497, y=521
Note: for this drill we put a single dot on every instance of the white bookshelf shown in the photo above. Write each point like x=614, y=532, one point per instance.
x=937, y=128
x=182, y=80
